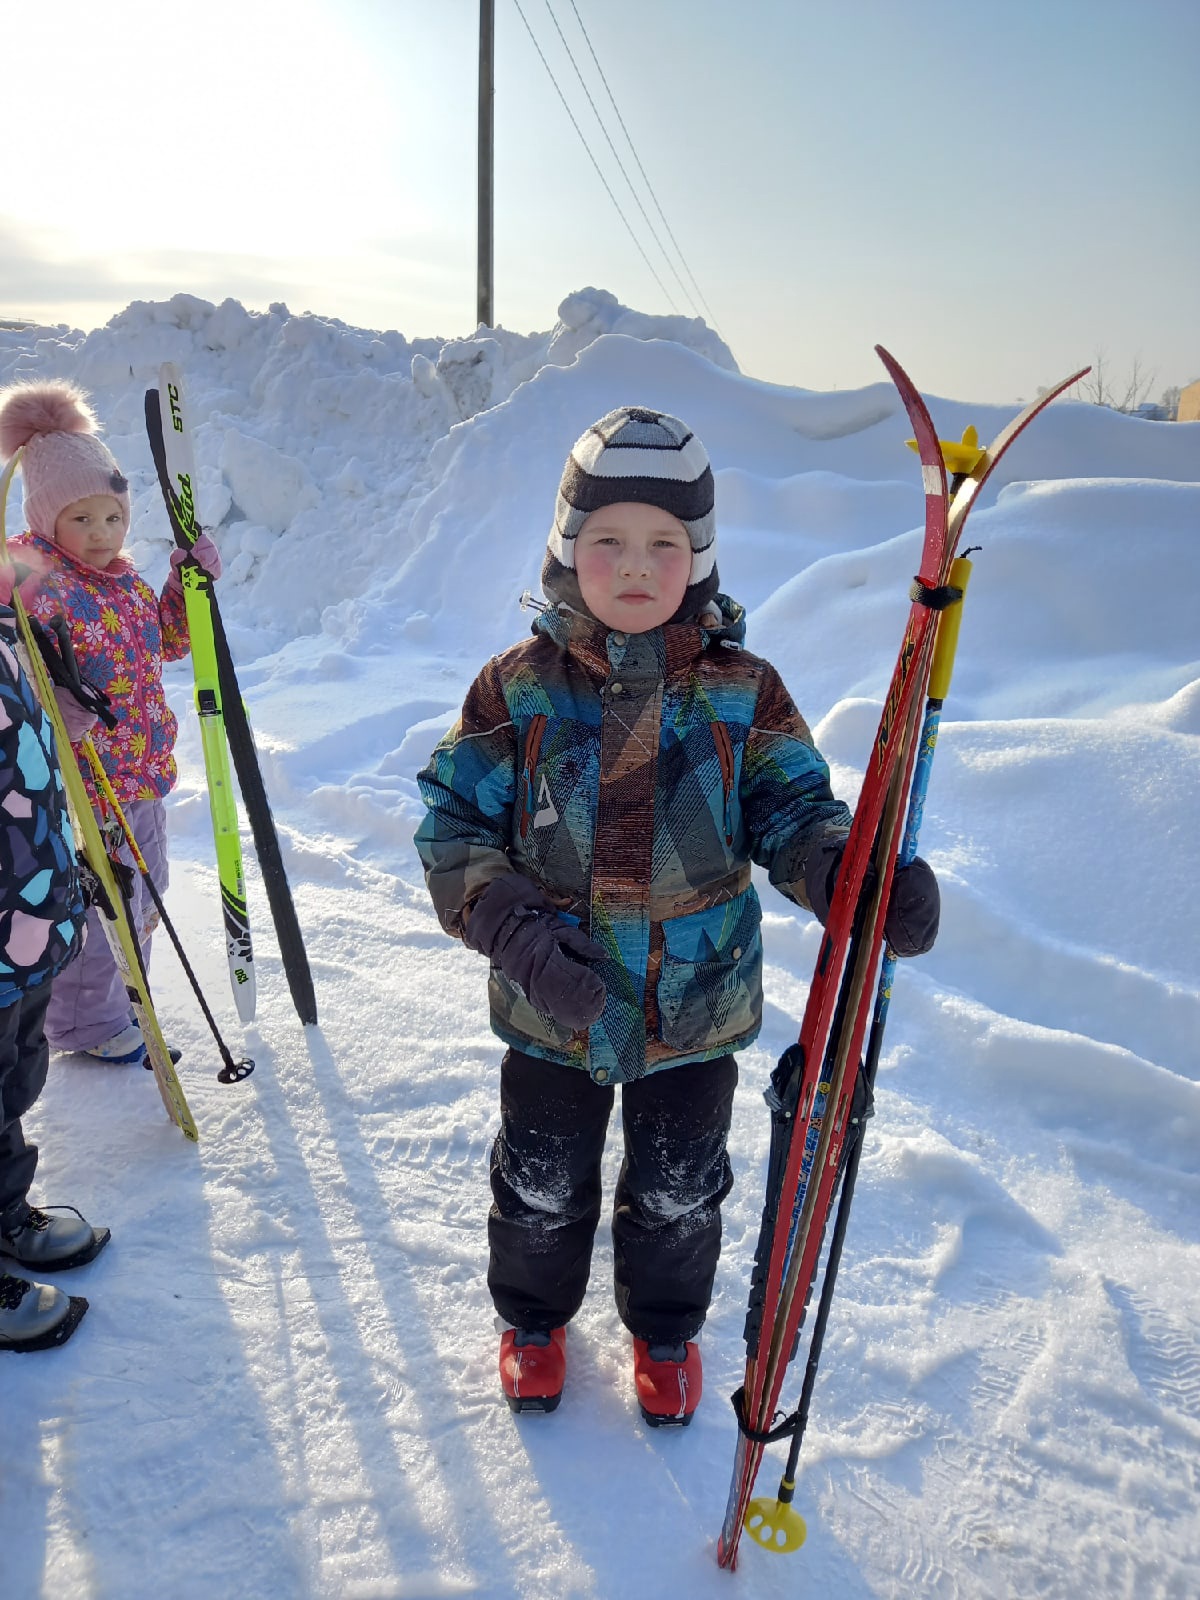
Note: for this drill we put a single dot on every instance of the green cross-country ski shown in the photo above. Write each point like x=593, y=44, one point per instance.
x=225, y=726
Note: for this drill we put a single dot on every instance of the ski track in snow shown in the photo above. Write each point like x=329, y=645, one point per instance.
x=285, y=1386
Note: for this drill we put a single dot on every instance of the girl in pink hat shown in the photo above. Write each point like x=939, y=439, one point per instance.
x=70, y=563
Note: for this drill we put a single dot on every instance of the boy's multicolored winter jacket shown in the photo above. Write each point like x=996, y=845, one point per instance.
x=122, y=635
x=41, y=907
x=634, y=777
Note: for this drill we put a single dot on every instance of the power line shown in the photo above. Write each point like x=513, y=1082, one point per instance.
x=711, y=318
x=616, y=157
x=593, y=160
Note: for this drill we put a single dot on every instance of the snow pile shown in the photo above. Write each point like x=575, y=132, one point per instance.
x=306, y=427
x=286, y=1384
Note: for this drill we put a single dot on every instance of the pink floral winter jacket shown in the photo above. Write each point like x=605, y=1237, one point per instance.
x=122, y=635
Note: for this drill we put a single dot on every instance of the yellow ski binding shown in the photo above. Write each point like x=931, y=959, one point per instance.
x=961, y=457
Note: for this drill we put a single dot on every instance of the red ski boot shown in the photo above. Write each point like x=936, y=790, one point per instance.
x=669, y=1381
x=533, y=1368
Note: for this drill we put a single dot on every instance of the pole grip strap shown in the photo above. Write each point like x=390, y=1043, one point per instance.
x=781, y=1430
x=937, y=599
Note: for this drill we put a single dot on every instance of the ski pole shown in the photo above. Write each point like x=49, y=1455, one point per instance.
x=233, y=1071
x=775, y=1524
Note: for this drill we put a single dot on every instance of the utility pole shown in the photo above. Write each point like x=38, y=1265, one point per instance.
x=483, y=281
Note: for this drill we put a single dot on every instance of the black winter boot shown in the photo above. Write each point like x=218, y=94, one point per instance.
x=36, y=1316
x=51, y=1244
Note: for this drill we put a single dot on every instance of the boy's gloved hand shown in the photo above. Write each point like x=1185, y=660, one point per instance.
x=204, y=552
x=516, y=927
x=914, y=910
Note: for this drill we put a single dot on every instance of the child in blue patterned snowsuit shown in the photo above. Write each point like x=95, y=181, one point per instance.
x=41, y=921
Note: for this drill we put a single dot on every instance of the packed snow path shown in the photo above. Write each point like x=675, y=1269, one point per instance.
x=286, y=1382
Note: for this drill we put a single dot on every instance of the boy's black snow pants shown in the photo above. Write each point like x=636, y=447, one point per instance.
x=667, y=1207
x=24, y=1058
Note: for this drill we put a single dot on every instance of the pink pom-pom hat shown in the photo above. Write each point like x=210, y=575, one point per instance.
x=63, y=459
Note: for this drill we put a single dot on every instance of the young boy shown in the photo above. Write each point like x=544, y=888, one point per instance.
x=592, y=818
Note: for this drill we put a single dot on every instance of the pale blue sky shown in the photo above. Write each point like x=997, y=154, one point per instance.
x=996, y=192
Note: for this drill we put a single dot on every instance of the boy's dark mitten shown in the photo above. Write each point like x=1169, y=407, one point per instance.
x=914, y=908
x=820, y=874
x=516, y=927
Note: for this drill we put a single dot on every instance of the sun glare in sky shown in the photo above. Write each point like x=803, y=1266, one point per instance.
x=256, y=127
x=1002, y=192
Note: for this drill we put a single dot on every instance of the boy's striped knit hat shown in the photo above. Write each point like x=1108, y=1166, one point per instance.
x=63, y=460
x=642, y=455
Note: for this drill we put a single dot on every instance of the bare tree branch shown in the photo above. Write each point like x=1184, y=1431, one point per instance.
x=1100, y=389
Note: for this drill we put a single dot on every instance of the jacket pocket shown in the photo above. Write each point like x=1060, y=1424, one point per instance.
x=710, y=983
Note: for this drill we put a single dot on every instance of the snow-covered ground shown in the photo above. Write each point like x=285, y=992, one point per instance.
x=286, y=1383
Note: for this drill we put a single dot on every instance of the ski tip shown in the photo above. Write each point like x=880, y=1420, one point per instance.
x=895, y=371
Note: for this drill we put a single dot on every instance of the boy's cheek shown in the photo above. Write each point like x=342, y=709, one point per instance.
x=593, y=585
